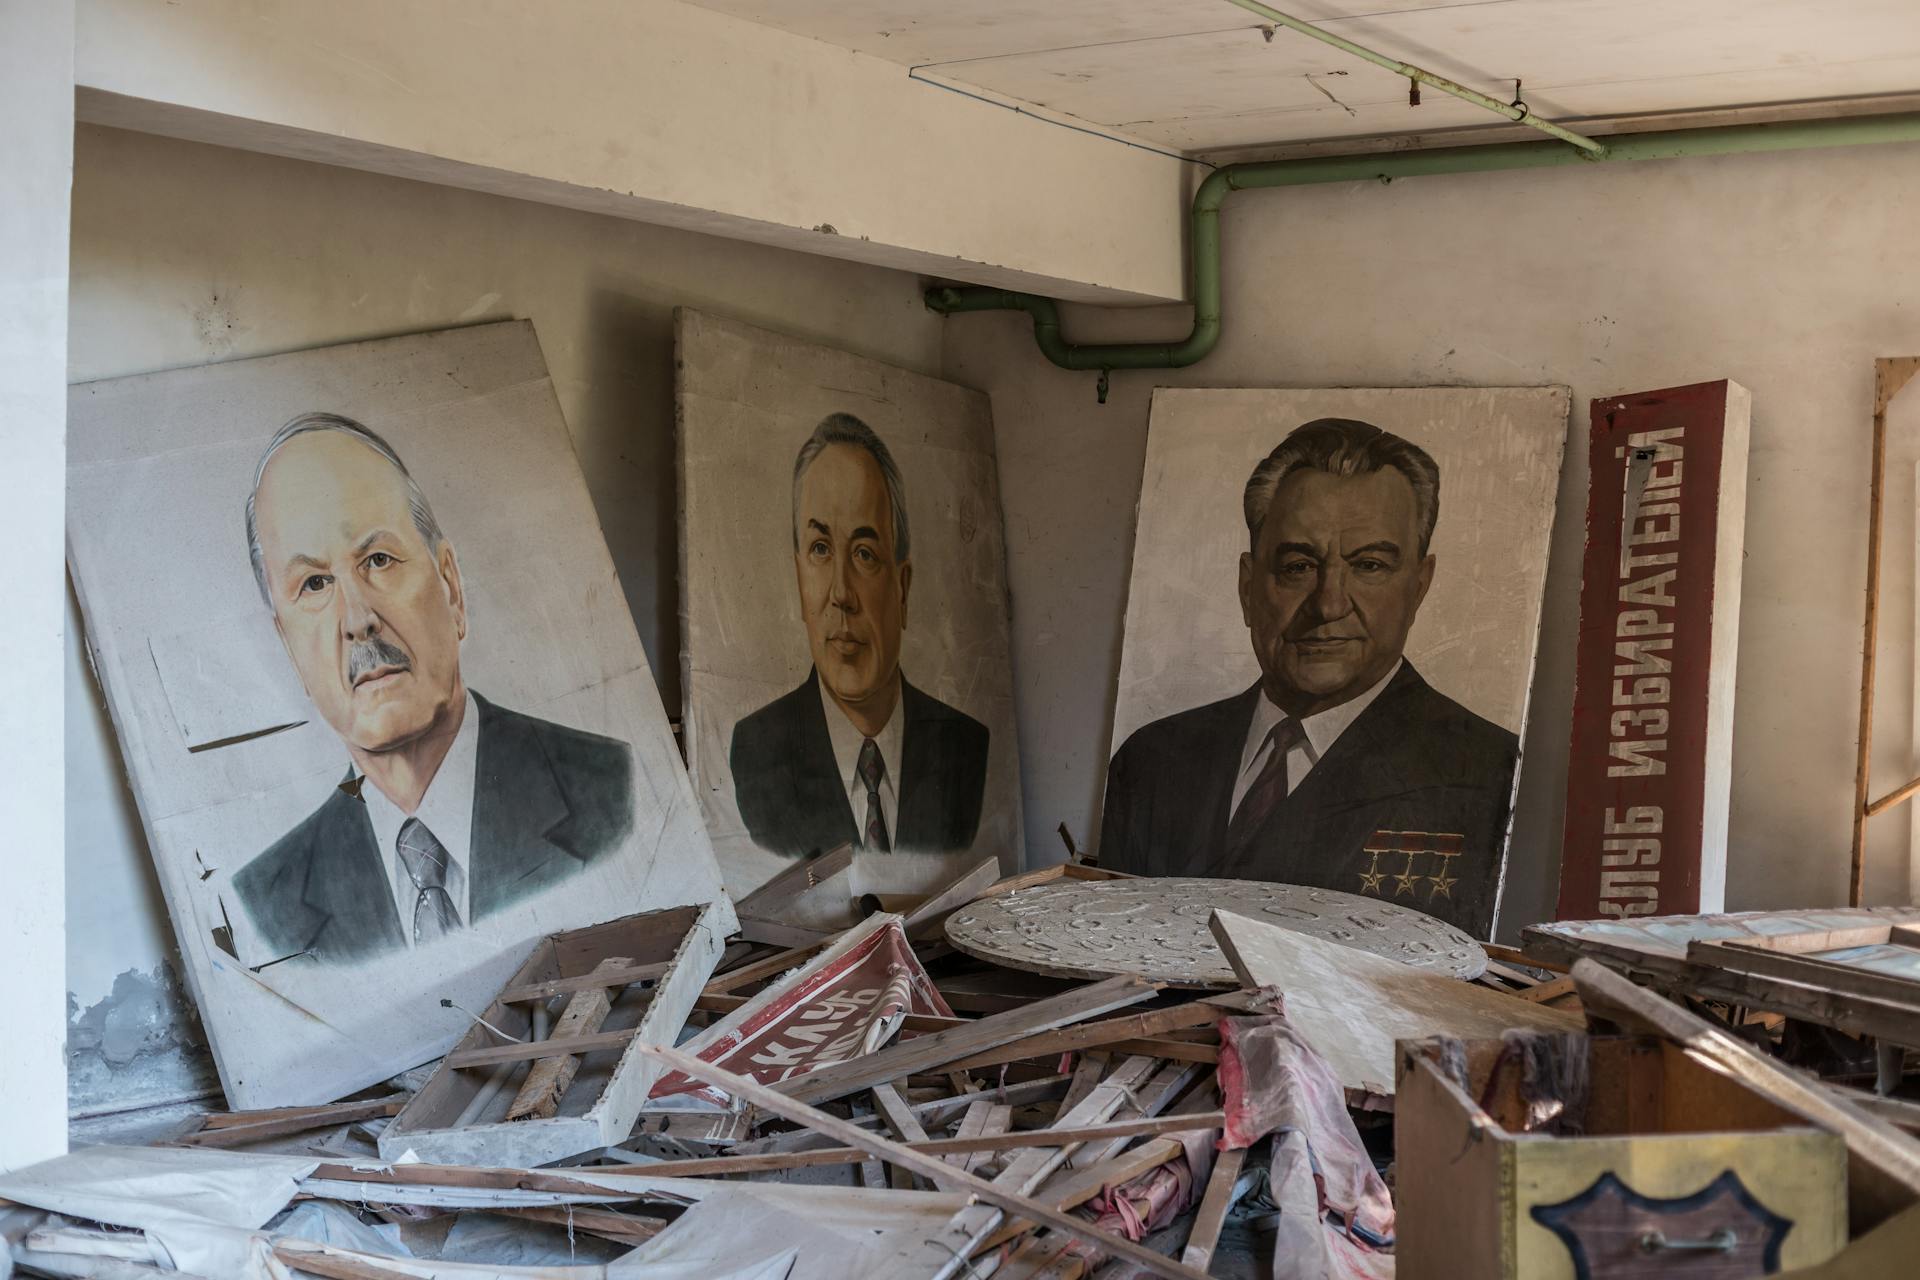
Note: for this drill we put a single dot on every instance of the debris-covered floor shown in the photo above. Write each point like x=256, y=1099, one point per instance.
x=878, y=1102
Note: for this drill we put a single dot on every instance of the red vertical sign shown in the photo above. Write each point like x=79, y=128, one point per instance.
x=1648, y=774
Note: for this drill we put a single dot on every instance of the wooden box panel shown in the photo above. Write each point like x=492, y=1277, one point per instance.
x=1659, y=1128
x=449, y=1122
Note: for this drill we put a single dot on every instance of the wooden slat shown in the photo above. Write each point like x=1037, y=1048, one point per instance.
x=1108, y=1031
x=1809, y=970
x=1870, y=1140
x=928, y=1166
x=1086, y=1074
x=899, y=1117
x=929, y=1052
x=623, y=1228
x=1212, y=1213
x=587, y=1008
x=493, y=1054
x=980, y=1226
x=773, y=965
x=289, y=1120
x=1516, y=955
x=978, y=1143
x=1093, y=1165
x=1543, y=992
x=625, y=975
x=984, y=1119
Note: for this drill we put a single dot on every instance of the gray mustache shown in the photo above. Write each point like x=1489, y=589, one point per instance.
x=370, y=655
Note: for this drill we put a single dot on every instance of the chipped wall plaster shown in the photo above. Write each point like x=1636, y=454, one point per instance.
x=138, y=1046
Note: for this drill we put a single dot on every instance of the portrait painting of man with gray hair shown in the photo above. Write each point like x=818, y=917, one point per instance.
x=1341, y=767
x=856, y=754
x=451, y=807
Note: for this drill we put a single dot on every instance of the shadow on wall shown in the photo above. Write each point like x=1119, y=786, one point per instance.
x=622, y=421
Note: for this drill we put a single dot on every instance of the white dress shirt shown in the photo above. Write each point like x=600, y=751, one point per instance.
x=1322, y=729
x=846, y=753
x=446, y=810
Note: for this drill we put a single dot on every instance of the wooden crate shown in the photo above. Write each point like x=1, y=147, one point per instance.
x=1668, y=1146
x=459, y=1116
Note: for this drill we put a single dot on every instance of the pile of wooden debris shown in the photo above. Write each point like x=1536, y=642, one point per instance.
x=646, y=1099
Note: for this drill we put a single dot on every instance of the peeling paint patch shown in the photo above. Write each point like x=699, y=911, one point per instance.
x=140, y=1046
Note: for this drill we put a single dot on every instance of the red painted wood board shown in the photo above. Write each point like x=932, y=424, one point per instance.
x=1649, y=773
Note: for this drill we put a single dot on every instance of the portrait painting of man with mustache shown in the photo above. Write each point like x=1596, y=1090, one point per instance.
x=1341, y=767
x=452, y=807
x=856, y=754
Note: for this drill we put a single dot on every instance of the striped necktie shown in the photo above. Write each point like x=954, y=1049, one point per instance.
x=871, y=769
x=1269, y=789
x=425, y=861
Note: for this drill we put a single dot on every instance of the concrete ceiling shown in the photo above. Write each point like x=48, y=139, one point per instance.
x=1201, y=76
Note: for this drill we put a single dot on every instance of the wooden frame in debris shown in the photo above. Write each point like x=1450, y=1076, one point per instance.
x=628, y=982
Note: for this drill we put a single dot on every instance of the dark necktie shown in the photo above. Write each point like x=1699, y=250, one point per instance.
x=871, y=768
x=1268, y=791
x=425, y=860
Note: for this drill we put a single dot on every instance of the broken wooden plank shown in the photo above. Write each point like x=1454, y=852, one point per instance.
x=766, y=914
x=1212, y=1213
x=587, y=1008
x=929, y=1052
x=240, y=1127
x=760, y=1095
x=925, y=920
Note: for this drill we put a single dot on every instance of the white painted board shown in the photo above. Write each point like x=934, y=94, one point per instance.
x=572, y=741
x=749, y=399
x=1351, y=1005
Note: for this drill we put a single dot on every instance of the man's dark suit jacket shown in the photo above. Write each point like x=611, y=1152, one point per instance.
x=794, y=800
x=1415, y=763
x=547, y=800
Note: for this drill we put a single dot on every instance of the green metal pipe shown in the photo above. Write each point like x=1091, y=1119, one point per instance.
x=1515, y=111
x=1224, y=181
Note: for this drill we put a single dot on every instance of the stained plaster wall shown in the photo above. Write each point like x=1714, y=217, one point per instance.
x=1788, y=273
x=184, y=254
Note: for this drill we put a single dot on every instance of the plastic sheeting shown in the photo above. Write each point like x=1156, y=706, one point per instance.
x=201, y=1206
x=1336, y=1215
x=825, y=1233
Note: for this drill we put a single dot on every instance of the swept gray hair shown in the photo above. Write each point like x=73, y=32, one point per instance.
x=305, y=424
x=844, y=428
x=1345, y=447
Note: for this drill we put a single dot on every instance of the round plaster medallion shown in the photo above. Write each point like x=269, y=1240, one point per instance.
x=1157, y=928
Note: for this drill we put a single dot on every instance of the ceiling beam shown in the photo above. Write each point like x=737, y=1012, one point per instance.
x=661, y=112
